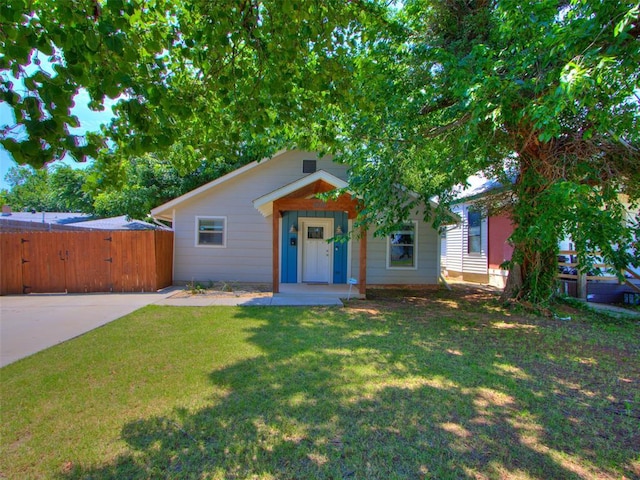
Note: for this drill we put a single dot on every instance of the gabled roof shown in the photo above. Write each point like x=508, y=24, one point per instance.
x=58, y=218
x=158, y=211
x=479, y=186
x=265, y=203
x=119, y=223
x=62, y=221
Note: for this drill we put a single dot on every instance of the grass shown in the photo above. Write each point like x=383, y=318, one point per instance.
x=404, y=385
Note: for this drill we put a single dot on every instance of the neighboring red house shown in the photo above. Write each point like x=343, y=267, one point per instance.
x=477, y=246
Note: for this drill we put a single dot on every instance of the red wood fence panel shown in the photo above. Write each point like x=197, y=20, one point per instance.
x=164, y=259
x=131, y=270
x=43, y=262
x=85, y=261
x=10, y=263
x=88, y=261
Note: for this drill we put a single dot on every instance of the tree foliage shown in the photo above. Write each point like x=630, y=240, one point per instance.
x=545, y=90
x=420, y=94
x=114, y=186
x=218, y=72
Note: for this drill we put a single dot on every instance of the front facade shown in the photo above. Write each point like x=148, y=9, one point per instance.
x=264, y=223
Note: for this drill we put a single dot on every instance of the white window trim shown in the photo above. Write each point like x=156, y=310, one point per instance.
x=415, y=248
x=197, y=231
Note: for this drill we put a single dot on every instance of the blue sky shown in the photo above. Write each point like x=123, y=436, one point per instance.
x=89, y=121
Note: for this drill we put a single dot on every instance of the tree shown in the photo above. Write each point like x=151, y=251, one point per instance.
x=58, y=189
x=29, y=189
x=545, y=90
x=67, y=185
x=215, y=72
x=422, y=95
x=134, y=185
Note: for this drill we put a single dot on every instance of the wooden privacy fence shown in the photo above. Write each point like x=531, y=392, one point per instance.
x=85, y=261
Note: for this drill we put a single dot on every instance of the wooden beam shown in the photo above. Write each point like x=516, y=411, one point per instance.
x=362, y=287
x=319, y=186
x=342, y=204
x=276, y=250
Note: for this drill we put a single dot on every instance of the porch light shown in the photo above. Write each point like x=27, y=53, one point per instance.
x=339, y=230
x=293, y=229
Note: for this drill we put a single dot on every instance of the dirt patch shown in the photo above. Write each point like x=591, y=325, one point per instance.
x=224, y=289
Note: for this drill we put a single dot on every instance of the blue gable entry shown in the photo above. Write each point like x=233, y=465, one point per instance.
x=290, y=244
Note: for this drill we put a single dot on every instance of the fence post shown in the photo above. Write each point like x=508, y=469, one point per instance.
x=582, y=285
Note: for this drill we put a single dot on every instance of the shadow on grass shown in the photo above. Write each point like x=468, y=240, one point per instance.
x=379, y=393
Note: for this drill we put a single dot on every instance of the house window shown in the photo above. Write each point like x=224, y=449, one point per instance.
x=308, y=166
x=211, y=231
x=402, y=247
x=474, y=218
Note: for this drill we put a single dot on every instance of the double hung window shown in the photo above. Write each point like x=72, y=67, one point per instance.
x=211, y=231
x=402, y=247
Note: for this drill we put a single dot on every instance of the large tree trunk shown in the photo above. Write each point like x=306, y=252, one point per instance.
x=533, y=280
x=534, y=263
x=514, y=283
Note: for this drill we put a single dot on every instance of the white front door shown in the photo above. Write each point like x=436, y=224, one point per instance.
x=316, y=252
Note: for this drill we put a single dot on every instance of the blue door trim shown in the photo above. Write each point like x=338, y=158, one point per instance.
x=290, y=245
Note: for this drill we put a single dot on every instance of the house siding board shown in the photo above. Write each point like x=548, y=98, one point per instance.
x=454, y=249
x=474, y=263
x=427, y=271
x=248, y=254
x=459, y=260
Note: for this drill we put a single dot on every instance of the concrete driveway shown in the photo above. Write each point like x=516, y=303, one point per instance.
x=30, y=323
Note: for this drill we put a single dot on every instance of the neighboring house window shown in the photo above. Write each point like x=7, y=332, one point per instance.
x=402, y=247
x=475, y=231
x=211, y=231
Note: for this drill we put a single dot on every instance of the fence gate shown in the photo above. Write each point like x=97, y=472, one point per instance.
x=67, y=262
x=43, y=266
x=85, y=261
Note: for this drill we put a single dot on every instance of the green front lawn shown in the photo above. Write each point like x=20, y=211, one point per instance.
x=445, y=385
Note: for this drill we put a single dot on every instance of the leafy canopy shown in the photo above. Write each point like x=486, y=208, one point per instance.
x=543, y=91
x=220, y=73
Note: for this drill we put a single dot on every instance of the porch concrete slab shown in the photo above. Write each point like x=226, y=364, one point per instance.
x=30, y=323
x=305, y=300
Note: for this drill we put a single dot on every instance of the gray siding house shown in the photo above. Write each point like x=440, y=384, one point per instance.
x=264, y=223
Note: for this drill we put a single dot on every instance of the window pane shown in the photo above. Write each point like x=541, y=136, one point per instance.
x=475, y=218
x=211, y=225
x=402, y=247
x=475, y=245
x=401, y=256
x=474, y=235
x=211, y=231
x=315, y=232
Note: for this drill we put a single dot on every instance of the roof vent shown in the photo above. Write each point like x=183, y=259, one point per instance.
x=308, y=166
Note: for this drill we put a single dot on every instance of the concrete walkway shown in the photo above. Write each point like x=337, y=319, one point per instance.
x=260, y=300
x=30, y=323
x=612, y=309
